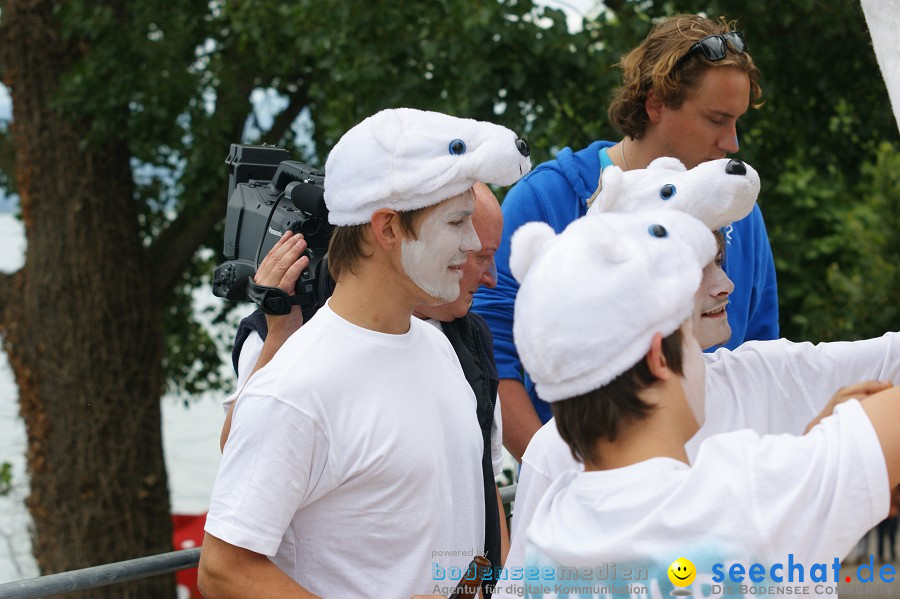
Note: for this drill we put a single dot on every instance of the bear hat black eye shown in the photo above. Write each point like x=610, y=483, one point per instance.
x=658, y=231
x=667, y=191
x=457, y=147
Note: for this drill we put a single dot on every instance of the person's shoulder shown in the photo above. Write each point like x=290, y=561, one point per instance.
x=547, y=453
x=564, y=173
x=567, y=158
x=306, y=351
x=430, y=336
x=725, y=453
x=752, y=226
x=755, y=349
x=481, y=326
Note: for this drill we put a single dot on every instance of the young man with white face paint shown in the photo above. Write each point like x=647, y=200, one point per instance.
x=445, y=235
x=352, y=463
x=467, y=332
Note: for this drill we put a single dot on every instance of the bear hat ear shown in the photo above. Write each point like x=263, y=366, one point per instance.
x=526, y=245
x=387, y=128
x=668, y=163
x=608, y=187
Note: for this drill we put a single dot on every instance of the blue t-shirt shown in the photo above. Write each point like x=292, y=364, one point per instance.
x=556, y=192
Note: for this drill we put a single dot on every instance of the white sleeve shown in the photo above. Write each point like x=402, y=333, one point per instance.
x=529, y=490
x=779, y=386
x=272, y=465
x=497, y=439
x=814, y=495
x=546, y=457
x=246, y=361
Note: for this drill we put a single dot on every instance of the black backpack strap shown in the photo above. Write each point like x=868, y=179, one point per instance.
x=467, y=337
x=254, y=322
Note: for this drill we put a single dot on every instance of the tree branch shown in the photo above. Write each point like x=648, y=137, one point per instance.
x=283, y=121
x=174, y=249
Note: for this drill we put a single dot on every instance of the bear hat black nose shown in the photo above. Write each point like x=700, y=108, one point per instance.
x=735, y=167
x=522, y=146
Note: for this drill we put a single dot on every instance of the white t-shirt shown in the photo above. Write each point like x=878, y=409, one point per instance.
x=253, y=347
x=353, y=461
x=745, y=500
x=767, y=386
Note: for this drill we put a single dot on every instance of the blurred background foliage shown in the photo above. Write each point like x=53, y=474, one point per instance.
x=170, y=77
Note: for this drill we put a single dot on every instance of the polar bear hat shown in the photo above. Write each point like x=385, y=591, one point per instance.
x=717, y=192
x=592, y=298
x=406, y=159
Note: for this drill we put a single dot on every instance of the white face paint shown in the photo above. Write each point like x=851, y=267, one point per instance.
x=434, y=261
x=694, y=369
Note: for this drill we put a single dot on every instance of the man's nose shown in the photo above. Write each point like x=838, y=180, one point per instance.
x=470, y=241
x=728, y=143
x=489, y=276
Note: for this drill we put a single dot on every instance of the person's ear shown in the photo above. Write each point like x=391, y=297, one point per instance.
x=386, y=228
x=654, y=107
x=656, y=359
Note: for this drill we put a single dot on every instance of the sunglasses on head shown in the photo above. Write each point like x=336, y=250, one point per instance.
x=714, y=47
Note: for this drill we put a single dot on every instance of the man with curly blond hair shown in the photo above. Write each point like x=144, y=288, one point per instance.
x=684, y=89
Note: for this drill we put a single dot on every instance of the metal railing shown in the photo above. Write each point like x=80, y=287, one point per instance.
x=118, y=572
x=101, y=576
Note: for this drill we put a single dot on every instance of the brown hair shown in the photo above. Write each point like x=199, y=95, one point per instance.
x=349, y=244
x=720, y=246
x=602, y=413
x=664, y=64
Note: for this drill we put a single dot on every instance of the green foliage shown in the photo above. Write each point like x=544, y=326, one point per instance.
x=837, y=254
x=5, y=478
x=192, y=360
x=175, y=80
x=185, y=72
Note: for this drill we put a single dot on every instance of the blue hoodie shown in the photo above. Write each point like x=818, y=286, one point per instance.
x=556, y=192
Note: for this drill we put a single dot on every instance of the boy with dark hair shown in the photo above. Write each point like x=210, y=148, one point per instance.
x=626, y=379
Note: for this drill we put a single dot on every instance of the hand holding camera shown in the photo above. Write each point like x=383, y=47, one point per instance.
x=282, y=268
x=273, y=202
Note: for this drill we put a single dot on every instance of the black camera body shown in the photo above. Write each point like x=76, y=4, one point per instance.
x=268, y=194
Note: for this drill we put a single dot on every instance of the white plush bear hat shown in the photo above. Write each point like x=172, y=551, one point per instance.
x=592, y=298
x=407, y=159
x=717, y=192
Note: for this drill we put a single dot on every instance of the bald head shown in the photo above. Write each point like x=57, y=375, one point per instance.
x=487, y=220
x=479, y=268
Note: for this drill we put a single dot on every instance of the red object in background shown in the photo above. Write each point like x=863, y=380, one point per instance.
x=187, y=534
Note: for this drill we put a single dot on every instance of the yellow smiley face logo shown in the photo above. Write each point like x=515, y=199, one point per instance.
x=682, y=572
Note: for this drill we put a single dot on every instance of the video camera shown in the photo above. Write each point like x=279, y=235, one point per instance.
x=268, y=194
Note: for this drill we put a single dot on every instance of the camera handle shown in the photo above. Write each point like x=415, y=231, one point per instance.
x=272, y=300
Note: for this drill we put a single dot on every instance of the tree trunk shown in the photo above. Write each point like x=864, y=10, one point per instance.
x=83, y=332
